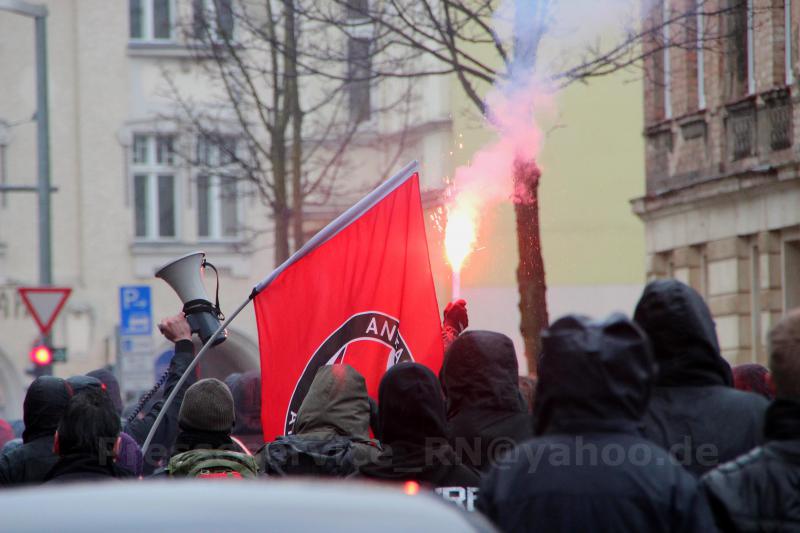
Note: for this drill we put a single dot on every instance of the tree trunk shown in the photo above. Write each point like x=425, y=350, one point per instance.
x=280, y=207
x=530, y=273
x=296, y=114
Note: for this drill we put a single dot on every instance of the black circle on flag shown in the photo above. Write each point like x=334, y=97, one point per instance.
x=370, y=326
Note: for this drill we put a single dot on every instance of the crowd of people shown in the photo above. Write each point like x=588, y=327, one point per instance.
x=631, y=424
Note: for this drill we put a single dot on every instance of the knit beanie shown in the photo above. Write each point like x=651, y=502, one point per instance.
x=207, y=406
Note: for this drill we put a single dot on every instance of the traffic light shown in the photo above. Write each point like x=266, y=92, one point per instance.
x=42, y=359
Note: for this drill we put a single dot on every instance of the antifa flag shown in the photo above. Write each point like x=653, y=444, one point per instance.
x=359, y=293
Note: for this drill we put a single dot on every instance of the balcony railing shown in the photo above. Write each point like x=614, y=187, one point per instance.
x=778, y=113
x=741, y=130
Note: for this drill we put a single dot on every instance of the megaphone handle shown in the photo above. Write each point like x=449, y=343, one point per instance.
x=193, y=324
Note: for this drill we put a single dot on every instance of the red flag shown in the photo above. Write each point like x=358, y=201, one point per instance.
x=361, y=293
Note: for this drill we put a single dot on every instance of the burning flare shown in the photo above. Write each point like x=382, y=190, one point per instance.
x=459, y=235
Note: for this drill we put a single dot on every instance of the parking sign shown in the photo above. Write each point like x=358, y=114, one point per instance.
x=135, y=310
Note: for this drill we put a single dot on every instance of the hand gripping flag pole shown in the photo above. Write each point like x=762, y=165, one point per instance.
x=326, y=233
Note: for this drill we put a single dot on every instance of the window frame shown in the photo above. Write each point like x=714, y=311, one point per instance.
x=210, y=8
x=206, y=168
x=148, y=26
x=152, y=170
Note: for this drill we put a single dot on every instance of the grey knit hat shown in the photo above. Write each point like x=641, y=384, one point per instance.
x=207, y=406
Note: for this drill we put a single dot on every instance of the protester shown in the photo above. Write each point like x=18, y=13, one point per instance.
x=176, y=329
x=44, y=404
x=331, y=433
x=589, y=469
x=485, y=408
x=203, y=447
x=759, y=491
x=454, y=321
x=110, y=385
x=87, y=440
x=414, y=435
x=695, y=412
x=752, y=377
x=246, y=391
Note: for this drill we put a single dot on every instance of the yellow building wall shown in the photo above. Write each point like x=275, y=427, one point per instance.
x=592, y=163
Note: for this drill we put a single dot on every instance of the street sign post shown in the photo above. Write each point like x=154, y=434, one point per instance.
x=44, y=304
x=135, y=340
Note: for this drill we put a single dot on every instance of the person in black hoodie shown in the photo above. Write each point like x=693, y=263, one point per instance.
x=485, y=408
x=759, y=491
x=246, y=391
x=588, y=468
x=87, y=440
x=695, y=412
x=177, y=330
x=414, y=434
x=44, y=404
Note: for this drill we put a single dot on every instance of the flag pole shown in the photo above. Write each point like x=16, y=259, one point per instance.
x=343, y=220
x=326, y=233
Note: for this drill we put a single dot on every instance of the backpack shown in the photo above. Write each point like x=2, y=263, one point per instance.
x=296, y=455
x=212, y=464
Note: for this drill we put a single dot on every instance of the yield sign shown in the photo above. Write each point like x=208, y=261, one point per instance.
x=44, y=304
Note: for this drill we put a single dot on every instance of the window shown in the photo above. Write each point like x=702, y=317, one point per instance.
x=217, y=189
x=359, y=67
x=701, y=67
x=150, y=20
x=153, y=165
x=356, y=9
x=666, y=65
x=212, y=19
x=787, y=42
x=739, y=60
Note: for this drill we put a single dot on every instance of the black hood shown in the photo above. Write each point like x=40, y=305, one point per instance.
x=683, y=335
x=45, y=402
x=592, y=374
x=480, y=371
x=111, y=386
x=246, y=391
x=411, y=405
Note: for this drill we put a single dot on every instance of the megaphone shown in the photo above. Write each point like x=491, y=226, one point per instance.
x=185, y=276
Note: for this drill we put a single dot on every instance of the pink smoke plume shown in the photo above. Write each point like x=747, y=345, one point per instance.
x=489, y=177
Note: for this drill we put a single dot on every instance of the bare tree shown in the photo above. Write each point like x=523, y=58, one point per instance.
x=461, y=35
x=285, y=112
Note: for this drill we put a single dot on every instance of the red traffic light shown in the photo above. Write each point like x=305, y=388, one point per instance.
x=41, y=355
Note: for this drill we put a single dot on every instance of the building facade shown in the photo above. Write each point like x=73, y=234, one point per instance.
x=722, y=202
x=125, y=203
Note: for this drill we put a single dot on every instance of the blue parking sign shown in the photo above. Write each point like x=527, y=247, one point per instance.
x=135, y=310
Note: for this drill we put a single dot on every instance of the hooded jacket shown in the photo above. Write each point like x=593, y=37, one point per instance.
x=588, y=468
x=111, y=386
x=695, y=413
x=45, y=402
x=758, y=492
x=485, y=409
x=331, y=433
x=415, y=437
